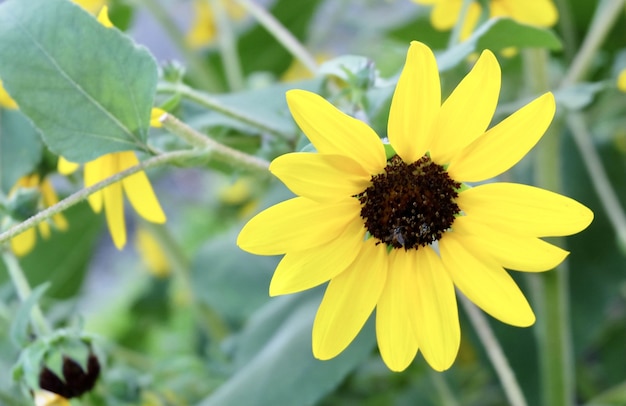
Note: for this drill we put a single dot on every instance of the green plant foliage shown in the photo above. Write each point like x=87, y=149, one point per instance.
x=87, y=88
x=20, y=148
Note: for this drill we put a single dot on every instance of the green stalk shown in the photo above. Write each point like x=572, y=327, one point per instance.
x=512, y=390
x=605, y=17
x=40, y=325
x=228, y=47
x=214, y=104
x=550, y=289
x=455, y=35
x=82, y=194
x=220, y=151
x=282, y=35
x=600, y=180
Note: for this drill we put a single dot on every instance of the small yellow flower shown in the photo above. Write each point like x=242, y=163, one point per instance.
x=137, y=188
x=542, y=13
x=5, y=100
x=396, y=228
x=24, y=243
x=203, y=28
x=45, y=398
x=621, y=81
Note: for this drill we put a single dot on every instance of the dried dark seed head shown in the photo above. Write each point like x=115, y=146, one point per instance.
x=409, y=205
x=75, y=380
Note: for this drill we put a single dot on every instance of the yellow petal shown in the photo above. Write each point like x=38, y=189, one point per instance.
x=465, y=115
x=349, y=300
x=45, y=398
x=445, y=14
x=333, y=132
x=524, y=210
x=139, y=190
x=66, y=167
x=415, y=104
x=103, y=17
x=302, y=270
x=24, y=243
x=5, y=100
x=519, y=253
x=203, y=29
x=484, y=282
x=155, y=117
x=542, y=13
x=96, y=171
x=396, y=312
x=296, y=225
x=505, y=144
x=114, y=209
x=50, y=198
x=438, y=331
x=320, y=177
x=44, y=229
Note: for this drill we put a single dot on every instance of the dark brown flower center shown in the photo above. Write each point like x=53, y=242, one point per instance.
x=409, y=204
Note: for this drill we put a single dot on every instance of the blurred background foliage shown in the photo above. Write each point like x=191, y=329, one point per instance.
x=182, y=316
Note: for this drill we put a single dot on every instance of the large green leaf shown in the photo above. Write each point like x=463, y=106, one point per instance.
x=20, y=148
x=89, y=89
x=283, y=371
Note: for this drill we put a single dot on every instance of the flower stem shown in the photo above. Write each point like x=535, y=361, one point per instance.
x=228, y=47
x=221, y=151
x=40, y=325
x=198, y=73
x=455, y=35
x=82, y=194
x=499, y=361
x=550, y=289
x=214, y=104
x=600, y=180
x=282, y=35
x=605, y=17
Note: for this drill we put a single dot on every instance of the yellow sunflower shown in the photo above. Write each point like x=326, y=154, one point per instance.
x=394, y=227
x=445, y=14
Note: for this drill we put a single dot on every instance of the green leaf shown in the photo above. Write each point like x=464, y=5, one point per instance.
x=230, y=284
x=284, y=372
x=89, y=89
x=19, y=328
x=20, y=148
x=495, y=35
x=64, y=271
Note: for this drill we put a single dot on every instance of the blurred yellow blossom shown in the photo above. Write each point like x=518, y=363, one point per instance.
x=24, y=243
x=445, y=13
x=203, y=27
x=151, y=253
